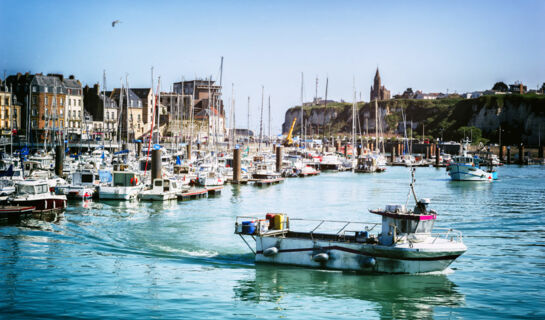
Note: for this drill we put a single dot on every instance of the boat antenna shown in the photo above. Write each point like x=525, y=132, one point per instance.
x=411, y=190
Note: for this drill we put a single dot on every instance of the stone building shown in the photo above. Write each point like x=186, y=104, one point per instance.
x=103, y=109
x=9, y=110
x=206, y=103
x=135, y=111
x=73, y=117
x=378, y=91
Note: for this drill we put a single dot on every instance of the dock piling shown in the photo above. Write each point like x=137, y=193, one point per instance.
x=156, y=165
x=508, y=154
x=521, y=154
x=59, y=159
x=279, y=159
x=236, y=166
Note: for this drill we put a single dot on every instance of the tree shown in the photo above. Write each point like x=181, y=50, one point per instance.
x=542, y=87
x=500, y=86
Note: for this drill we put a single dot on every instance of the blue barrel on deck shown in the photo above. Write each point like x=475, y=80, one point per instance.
x=248, y=227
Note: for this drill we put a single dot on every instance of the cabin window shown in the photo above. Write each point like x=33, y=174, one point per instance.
x=158, y=183
x=21, y=189
x=87, y=178
x=42, y=188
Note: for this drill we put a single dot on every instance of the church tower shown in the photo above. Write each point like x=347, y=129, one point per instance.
x=378, y=91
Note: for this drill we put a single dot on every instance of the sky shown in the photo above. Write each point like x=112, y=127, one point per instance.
x=433, y=46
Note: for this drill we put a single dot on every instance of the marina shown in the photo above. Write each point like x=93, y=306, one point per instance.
x=156, y=246
x=272, y=160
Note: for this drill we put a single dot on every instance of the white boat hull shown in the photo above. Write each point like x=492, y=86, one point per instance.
x=468, y=173
x=420, y=258
x=118, y=193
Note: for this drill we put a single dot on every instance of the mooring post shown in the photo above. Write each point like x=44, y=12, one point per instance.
x=59, y=159
x=500, y=153
x=155, y=164
x=138, y=149
x=437, y=154
x=236, y=166
x=188, y=151
x=521, y=154
x=279, y=159
x=508, y=154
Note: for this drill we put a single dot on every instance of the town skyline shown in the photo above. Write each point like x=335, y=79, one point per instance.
x=431, y=47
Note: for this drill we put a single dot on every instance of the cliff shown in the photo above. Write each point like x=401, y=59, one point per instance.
x=521, y=118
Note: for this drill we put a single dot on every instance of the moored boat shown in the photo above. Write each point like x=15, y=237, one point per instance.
x=36, y=193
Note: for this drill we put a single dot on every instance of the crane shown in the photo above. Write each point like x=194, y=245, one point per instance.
x=289, y=140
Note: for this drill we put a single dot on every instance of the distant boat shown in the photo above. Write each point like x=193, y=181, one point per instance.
x=467, y=168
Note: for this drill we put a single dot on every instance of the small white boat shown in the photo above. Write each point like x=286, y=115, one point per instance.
x=125, y=185
x=83, y=185
x=162, y=190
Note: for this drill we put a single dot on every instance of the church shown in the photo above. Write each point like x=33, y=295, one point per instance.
x=378, y=91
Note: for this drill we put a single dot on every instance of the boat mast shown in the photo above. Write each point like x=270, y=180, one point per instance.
x=269, y=138
x=153, y=103
x=376, y=123
x=248, y=124
x=261, y=119
x=11, y=119
x=209, y=110
x=302, y=122
x=128, y=101
x=120, y=118
x=159, y=110
x=353, y=117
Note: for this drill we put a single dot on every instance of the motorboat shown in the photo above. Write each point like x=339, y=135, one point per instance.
x=403, y=243
x=36, y=193
x=83, y=186
x=125, y=185
x=162, y=190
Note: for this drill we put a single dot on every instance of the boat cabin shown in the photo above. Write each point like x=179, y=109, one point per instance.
x=30, y=187
x=86, y=177
x=466, y=160
x=398, y=222
x=125, y=179
x=164, y=185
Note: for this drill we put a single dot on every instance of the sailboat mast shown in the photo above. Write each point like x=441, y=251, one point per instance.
x=302, y=120
x=248, y=124
x=209, y=111
x=353, y=117
x=325, y=106
x=269, y=138
x=120, y=110
x=261, y=119
x=128, y=101
x=159, y=110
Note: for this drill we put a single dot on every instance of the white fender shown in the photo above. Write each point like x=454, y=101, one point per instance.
x=272, y=251
x=321, y=257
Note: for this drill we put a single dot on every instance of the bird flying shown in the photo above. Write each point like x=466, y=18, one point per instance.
x=115, y=22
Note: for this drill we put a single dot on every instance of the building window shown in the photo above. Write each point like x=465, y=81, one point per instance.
x=34, y=88
x=79, y=102
x=34, y=100
x=62, y=102
x=139, y=118
x=45, y=100
x=79, y=114
x=6, y=114
x=69, y=102
x=34, y=124
x=46, y=89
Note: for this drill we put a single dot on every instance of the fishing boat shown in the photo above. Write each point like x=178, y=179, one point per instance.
x=125, y=185
x=403, y=243
x=368, y=164
x=467, y=168
x=36, y=193
x=265, y=170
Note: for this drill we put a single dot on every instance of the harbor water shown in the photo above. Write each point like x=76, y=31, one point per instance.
x=181, y=260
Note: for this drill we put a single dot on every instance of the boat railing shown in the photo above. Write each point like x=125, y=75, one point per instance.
x=446, y=233
x=368, y=226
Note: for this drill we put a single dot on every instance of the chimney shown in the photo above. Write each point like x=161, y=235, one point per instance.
x=521, y=88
